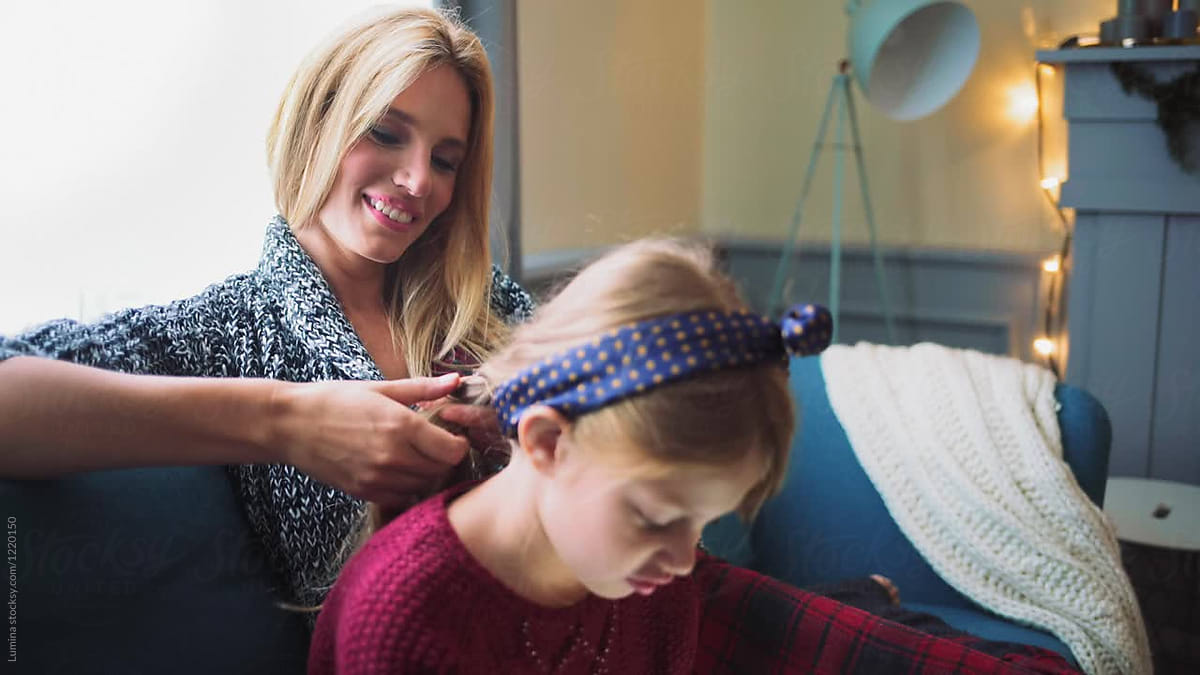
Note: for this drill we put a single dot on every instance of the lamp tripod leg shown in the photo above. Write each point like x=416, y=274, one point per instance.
x=774, y=301
x=880, y=280
x=839, y=172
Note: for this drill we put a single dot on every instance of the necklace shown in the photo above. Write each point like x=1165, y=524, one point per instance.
x=575, y=643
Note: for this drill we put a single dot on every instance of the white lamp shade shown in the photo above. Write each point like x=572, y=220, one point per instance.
x=912, y=56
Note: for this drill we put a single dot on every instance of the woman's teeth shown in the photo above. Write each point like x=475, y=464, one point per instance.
x=395, y=214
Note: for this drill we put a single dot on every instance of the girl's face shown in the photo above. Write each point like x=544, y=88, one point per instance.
x=399, y=177
x=623, y=524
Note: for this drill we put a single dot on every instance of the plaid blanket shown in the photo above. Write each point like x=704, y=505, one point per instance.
x=751, y=623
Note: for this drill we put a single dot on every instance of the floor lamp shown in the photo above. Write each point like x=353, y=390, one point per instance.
x=909, y=57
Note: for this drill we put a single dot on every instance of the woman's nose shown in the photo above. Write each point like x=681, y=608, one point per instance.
x=413, y=175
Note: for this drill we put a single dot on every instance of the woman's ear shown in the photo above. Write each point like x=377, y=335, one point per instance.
x=540, y=435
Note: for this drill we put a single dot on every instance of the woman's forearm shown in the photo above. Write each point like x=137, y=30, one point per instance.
x=58, y=418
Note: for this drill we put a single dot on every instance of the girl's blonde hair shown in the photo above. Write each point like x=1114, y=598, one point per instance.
x=437, y=292
x=711, y=418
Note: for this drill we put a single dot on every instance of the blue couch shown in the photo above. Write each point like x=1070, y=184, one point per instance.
x=830, y=523
x=155, y=570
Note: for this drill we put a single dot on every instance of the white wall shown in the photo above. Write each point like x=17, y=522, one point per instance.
x=966, y=177
x=698, y=116
x=133, y=141
x=612, y=111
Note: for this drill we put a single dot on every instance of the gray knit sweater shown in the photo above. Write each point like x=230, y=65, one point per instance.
x=279, y=321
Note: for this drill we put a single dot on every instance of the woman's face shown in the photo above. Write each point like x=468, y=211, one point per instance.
x=399, y=177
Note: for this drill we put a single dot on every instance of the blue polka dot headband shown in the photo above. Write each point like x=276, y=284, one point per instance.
x=627, y=361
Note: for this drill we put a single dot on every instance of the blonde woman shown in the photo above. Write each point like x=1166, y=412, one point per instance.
x=300, y=374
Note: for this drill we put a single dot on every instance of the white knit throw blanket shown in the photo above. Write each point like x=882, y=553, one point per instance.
x=964, y=448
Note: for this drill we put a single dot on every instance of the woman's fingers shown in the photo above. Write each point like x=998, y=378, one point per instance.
x=417, y=389
x=470, y=416
x=481, y=423
x=435, y=444
x=363, y=438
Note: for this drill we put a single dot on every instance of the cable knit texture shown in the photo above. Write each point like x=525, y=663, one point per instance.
x=964, y=449
x=279, y=321
x=415, y=600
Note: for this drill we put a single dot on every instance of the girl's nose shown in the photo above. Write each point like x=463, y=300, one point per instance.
x=680, y=554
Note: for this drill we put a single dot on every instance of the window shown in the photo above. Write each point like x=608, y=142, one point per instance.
x=133, y=167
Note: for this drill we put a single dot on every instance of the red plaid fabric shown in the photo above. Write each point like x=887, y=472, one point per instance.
x=751, y=623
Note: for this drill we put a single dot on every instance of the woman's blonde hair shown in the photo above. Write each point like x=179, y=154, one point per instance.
x=714, y=417
x=437, y=292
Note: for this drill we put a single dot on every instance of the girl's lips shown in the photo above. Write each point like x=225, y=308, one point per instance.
x=642, y=587
x=646, y=586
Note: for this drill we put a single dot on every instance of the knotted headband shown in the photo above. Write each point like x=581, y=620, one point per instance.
x=627, y=361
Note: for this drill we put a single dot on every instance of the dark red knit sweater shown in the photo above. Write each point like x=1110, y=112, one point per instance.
x=414, y=600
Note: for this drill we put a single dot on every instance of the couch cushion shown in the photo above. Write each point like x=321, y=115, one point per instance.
x=144, y=570
x=988, y=626
x=830, y=523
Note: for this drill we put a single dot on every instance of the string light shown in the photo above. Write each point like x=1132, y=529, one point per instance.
x=1023, y=103
x=1044, y=346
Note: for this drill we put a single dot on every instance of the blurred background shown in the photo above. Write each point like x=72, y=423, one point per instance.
x=133, y=135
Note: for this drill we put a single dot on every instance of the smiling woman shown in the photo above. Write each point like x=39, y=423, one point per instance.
x=394, y=109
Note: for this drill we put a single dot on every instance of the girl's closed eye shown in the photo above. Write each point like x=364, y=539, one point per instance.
x=645, y=522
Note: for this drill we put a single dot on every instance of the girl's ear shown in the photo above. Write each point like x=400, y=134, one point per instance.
x=540, y=436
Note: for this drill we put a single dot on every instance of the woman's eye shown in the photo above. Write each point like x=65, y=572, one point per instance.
x=384, y=137
x=444, y=165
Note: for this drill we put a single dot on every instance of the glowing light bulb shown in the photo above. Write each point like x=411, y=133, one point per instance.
x=1047, y=69
x=1043, y=346
x=1050, y=183
x=1052, y=264
x=1022, y=102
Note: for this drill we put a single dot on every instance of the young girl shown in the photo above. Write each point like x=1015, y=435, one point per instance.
x=641, y=403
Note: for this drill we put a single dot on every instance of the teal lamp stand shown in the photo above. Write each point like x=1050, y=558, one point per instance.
x=910, y=57
x=840, y=95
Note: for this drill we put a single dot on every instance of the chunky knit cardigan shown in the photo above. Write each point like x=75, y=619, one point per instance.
x=279, y=321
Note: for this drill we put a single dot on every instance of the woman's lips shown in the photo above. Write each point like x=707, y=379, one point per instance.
x=386, y=219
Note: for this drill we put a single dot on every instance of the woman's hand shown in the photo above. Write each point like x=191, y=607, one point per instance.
x=480, y=422
x=363, y=437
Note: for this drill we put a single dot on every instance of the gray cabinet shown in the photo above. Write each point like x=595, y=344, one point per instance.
x=1134, y=274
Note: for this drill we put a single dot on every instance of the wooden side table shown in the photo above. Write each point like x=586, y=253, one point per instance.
x=1158, y=523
